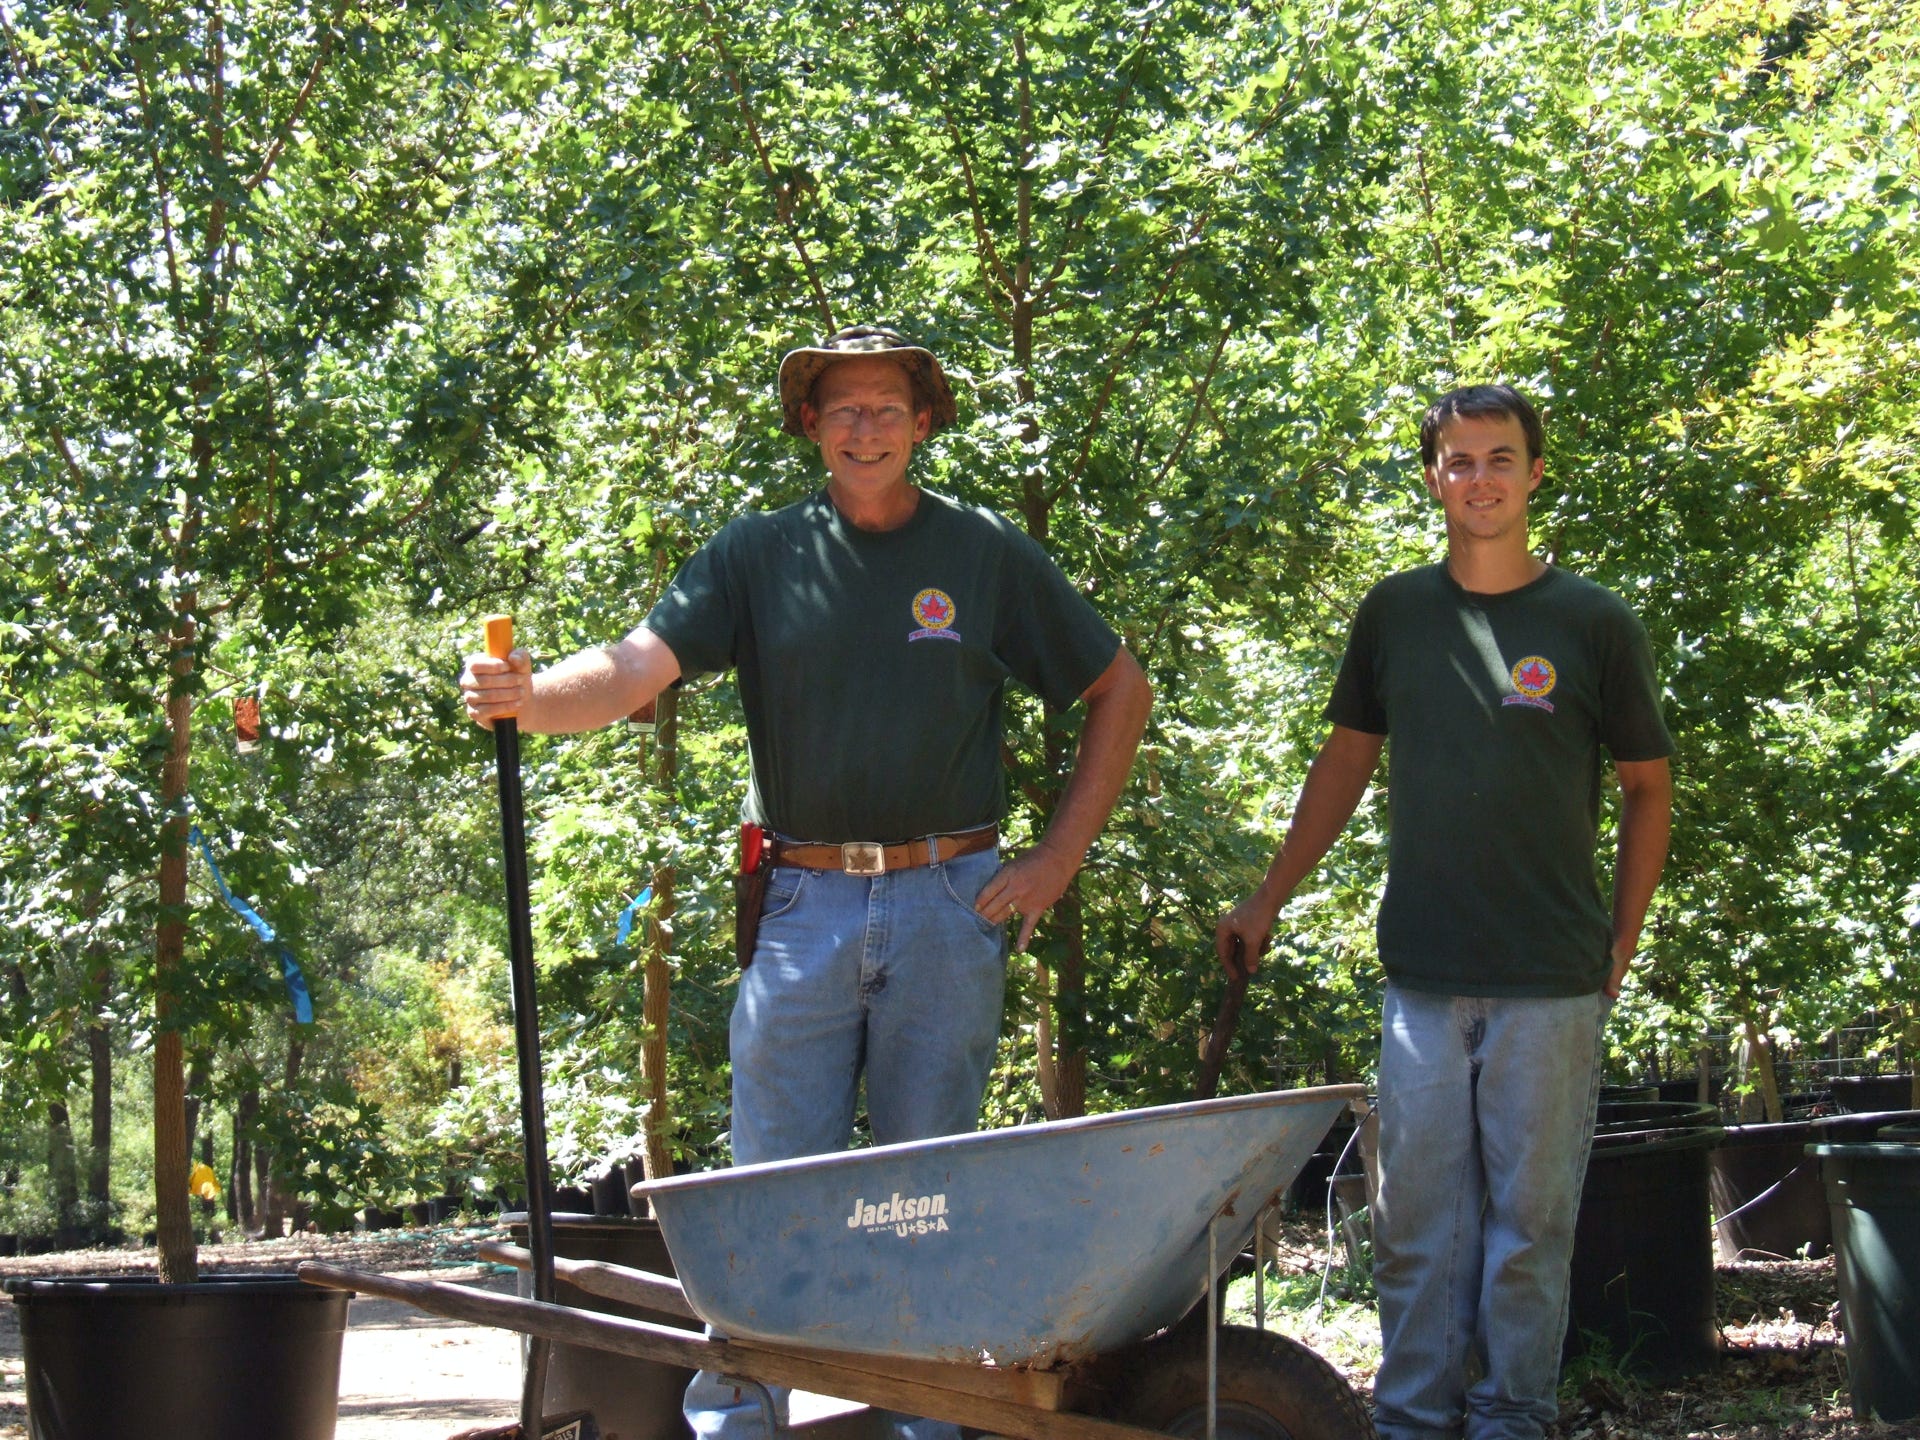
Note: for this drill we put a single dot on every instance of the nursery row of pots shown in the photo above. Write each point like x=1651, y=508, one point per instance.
x=604, y=1194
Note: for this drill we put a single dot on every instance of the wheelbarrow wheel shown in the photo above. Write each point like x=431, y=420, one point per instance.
x=1271, y=1388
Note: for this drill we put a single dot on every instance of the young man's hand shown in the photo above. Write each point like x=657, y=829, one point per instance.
x=1243, y=934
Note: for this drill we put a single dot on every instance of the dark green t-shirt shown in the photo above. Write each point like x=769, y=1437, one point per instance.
x=872, y=664
x=1496, y=708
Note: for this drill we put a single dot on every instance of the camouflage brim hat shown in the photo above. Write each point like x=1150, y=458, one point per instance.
x=800, y=368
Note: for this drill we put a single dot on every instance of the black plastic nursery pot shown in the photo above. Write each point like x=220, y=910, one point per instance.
x=231, y=1357
x=1873, y=1194
x=632, y=1398
x=1766, y=1188
x=1862, y=1093
x=1641, y=1292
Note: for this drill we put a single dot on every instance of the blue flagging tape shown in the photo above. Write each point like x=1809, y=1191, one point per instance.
x=625, y=927
x=289, y=967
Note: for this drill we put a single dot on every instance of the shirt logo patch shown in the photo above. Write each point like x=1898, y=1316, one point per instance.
x=1533, y=680
x=934, y=610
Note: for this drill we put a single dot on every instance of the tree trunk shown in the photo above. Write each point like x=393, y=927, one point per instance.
x=657, y=1159
x=240, y=1173
x=208, y=1208
x=266, y=1205
x=1759, y=1058
x=174, y=1231
x=276, y=1196
x=1070, y=1059
x=100, y=1108
x=196, y=1089
x=63, y=1172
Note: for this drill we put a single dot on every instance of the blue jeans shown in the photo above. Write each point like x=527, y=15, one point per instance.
x=1486, y=1117
x=895, y=976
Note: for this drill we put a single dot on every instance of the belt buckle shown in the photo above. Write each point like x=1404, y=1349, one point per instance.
x=863, y=857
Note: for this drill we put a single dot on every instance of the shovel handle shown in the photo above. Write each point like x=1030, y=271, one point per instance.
x=526, y=1030
x=499, y=630
x=1223, y=1024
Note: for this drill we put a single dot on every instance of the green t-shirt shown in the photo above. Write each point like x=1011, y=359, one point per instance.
x=1496, y=708
x=872, y=664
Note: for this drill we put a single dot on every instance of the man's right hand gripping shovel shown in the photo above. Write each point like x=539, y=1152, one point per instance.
x=496, y=687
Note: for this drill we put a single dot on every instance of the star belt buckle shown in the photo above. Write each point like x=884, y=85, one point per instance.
x=863, y=857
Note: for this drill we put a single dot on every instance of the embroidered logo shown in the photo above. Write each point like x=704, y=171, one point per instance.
x=1533, y=680
x=934, y=610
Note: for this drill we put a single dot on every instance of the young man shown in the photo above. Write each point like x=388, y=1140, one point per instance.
x=873, y=628
x=1499, y=680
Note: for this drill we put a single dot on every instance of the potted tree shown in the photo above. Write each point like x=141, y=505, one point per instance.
x=232, y=393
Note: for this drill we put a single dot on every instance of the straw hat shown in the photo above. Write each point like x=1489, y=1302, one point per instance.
x=800, y=368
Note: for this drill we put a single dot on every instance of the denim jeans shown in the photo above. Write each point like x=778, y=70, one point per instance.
x=1486, y=1117
x=893, y=976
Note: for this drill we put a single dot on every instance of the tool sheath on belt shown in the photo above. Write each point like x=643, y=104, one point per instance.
x=750, y=891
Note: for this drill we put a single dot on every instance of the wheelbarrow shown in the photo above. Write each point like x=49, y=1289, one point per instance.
x=1054, y=1281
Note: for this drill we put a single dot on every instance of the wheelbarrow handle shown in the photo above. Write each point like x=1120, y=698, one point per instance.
x=1223, y=1025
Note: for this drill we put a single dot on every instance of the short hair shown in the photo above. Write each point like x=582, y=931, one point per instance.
x=1480, y=402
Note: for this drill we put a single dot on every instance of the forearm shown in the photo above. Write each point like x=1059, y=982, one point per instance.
x=1641, y=856
x=1336, y=782
x=1116, y=718
x=1646, y=813
x=597, y=687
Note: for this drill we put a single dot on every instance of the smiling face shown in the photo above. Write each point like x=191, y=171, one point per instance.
x=1482, y=475
x=862, y=416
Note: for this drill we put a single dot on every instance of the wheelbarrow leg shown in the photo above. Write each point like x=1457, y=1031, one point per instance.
x=1213, y=1328
x=1260, y=1268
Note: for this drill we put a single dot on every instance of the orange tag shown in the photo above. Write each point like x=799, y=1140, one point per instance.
x=246, y=722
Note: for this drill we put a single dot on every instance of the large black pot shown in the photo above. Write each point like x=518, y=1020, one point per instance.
x=609, y=1190
x=1766, y=1189
x=233, y=1357
x=632, y=1398
x=1861, y=1093
x=1873, y=1191
x=1641, y=1291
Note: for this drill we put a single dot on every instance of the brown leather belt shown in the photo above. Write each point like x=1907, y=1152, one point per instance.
x=865, y=857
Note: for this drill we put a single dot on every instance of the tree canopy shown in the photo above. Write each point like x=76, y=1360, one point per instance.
x=327, y=327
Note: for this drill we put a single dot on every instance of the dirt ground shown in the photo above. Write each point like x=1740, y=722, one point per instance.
x=408, y=1376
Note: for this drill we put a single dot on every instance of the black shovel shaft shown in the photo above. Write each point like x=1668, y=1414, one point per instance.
x=526, y=1028
x=526, y=1009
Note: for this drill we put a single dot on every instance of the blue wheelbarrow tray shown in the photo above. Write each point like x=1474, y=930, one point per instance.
x=1030, y=1246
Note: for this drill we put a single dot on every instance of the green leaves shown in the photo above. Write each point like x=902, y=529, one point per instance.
x=426, y=311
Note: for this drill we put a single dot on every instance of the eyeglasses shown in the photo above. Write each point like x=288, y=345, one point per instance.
x=845, y=417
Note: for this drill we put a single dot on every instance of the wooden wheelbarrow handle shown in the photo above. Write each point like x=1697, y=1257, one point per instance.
x=1011, y=1401
x=1223, y=1024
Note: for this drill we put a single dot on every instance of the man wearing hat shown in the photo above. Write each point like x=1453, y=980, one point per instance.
x=873, y=627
